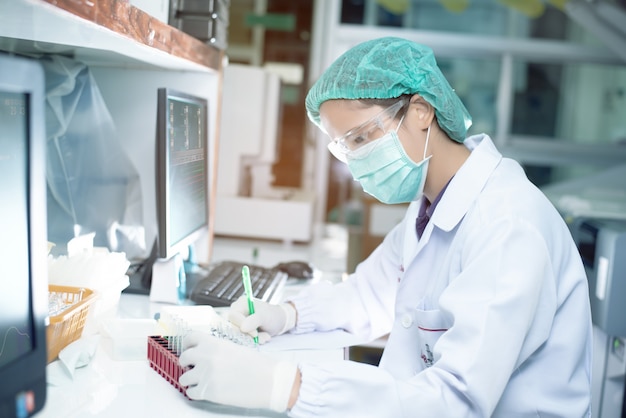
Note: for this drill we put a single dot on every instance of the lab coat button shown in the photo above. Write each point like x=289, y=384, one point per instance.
x=406, y=320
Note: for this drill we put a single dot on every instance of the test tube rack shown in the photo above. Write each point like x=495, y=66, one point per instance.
x=164, y=360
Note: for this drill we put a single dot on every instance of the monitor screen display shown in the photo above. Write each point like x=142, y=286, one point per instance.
x=23, y=267
x=16, y=328
x=182, y=170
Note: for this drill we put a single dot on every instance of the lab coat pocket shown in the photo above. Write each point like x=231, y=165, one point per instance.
x=431, y=325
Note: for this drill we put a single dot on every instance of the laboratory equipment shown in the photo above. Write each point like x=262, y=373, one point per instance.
x=223, y=285
x=253, y=95
x=68, y=308
x=182, y=186
x=176, y=321
x=601, y=195
x=602, y=245
x=250, y=143
x=24, y=295
x=97, y=269
x=164, y=360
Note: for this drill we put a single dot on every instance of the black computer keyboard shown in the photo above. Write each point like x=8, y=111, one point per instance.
x=222, y=284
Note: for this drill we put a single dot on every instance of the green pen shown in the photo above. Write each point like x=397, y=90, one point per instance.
x=245, y=273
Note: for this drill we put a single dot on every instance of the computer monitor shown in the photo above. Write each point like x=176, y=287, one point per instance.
x=182, y=187
x=23, y=266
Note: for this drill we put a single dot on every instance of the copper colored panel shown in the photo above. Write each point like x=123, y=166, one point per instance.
x=123, y=18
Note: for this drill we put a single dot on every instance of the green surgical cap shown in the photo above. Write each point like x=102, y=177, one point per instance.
x=389, y=67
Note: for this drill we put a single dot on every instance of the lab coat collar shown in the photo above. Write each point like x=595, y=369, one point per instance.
x=467, y=182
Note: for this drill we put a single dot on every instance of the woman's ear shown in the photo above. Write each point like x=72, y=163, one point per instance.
x=423, y=111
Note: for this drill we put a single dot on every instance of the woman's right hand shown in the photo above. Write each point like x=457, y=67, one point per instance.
x=267, y=321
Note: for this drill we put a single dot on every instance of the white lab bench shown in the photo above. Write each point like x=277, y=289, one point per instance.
x=108, y=388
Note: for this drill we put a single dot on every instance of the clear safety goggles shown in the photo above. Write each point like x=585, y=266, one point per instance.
x=369, y=131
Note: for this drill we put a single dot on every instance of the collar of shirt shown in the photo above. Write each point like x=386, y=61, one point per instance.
x=467, y=183
x=427, y=209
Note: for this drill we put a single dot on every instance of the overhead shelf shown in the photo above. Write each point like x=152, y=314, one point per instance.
x=103, y=33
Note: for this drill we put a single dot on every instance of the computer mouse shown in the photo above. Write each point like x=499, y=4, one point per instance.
x=296, y=269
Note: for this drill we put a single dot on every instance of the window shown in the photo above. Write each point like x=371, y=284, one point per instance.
x=545, y=89
x=545, y=83
x=516, y=19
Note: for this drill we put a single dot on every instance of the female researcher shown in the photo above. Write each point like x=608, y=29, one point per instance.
x=480, y=287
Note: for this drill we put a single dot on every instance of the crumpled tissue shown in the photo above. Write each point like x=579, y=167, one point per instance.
x=76, y=355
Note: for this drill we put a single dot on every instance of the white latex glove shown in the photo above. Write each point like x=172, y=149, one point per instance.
x=230, y=374
x=267, y=321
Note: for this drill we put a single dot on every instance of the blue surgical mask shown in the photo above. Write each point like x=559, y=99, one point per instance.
x=386, y=172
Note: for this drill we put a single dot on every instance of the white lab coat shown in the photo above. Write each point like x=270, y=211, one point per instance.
x=488, y=313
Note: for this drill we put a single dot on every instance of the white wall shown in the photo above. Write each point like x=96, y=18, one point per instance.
x=131, y=97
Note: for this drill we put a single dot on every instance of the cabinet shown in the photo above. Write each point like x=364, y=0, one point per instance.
x=130, y=54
